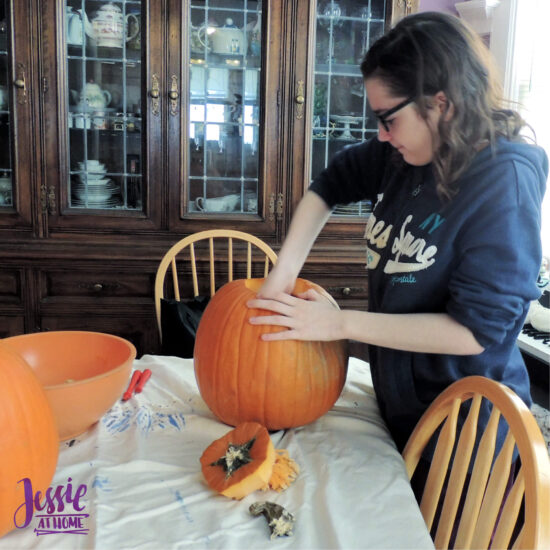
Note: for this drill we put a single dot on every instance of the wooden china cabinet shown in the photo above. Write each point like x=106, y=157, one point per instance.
x=127, y=125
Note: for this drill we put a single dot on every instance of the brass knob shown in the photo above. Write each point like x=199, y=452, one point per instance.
x=346, y=291
x=97, y=287
x=19, y=83
x=154, y=94
x=300, y=99
x=173, y=95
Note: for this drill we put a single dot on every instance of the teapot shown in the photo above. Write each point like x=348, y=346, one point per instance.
x=197, y=39
x=92, y=97
x=109, y=26
x=228, y=40
x=134, y=25
x=73, y=19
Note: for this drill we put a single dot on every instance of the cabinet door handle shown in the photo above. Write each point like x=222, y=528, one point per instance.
x=174, y=95
x=155, y=95
x=21, y=84
x=300, y=99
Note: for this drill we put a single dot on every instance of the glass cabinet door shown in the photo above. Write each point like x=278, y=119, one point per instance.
x=101, y=113
x=6, y=169
x=103, y=72
x=223, y=133
x=103, y=81
x=344, y=32
x=15, y=119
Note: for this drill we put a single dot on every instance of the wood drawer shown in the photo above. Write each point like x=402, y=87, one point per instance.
x=11, y=285
x=98, y=286
x=348, y=285
x=11, y=325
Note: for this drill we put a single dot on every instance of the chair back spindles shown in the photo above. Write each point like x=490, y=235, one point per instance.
x=504, y=496
x=194, y=277
x=518, y=543
x=440, y=464
x=480, y=474
x=510, y=512
x=175, y=282
x=169, y=262
x=458, y=474
x=494, y=494
x=249, y=261
x=229, y=259
x=212, y=266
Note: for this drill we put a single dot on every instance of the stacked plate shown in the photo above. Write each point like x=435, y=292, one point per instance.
x=94, y=190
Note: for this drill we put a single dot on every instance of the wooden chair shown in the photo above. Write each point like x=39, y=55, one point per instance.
x=169, y=260
x=489, y=513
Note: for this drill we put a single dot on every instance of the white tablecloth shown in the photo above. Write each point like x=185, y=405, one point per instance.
x=145, y=490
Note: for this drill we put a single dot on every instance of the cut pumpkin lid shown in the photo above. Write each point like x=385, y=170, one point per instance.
x=244, y=460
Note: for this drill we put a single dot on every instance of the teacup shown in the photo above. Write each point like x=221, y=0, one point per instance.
x=227, y=203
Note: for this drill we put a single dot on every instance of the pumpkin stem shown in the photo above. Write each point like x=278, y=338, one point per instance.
x=285, y=471
x=235, y=457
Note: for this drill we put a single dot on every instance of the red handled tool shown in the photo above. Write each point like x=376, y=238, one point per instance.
x=145, y=375
x=133, y=382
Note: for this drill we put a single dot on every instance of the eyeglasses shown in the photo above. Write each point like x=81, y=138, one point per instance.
x=383, y=117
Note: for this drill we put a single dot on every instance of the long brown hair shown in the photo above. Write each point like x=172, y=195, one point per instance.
x=430, y=52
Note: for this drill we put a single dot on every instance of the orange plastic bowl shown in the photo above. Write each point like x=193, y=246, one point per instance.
x=83, y=373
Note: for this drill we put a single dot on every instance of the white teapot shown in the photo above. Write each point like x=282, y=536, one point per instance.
x=227, y=40
x=73, y=20
x=93, y=98
x=109, y=26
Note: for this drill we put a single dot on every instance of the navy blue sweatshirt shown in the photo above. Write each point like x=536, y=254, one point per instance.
x=475, y=258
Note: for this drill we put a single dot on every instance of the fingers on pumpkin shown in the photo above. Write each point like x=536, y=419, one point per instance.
x=244, y=460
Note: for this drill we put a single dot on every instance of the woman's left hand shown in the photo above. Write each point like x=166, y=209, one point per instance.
x=307, y=316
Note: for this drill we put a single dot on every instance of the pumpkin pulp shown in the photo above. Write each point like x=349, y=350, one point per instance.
x=235, y=457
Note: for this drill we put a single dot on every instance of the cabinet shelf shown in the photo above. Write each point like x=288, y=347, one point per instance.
x=129, y=62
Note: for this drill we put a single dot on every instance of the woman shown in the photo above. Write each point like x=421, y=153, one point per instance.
x=453, y=243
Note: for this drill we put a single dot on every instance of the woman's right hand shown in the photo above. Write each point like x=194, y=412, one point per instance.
x=279, y=280
x=307, y=222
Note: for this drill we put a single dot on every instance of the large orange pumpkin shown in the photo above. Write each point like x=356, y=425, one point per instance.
x=279, y=384
x=29, y=443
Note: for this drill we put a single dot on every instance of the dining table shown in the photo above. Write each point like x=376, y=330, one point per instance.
x=134, y=481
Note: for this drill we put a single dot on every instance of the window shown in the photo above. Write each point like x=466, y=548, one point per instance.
x=520, y=42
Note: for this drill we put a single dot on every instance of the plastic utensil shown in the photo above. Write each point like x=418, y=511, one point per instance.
x=133, y=382
x=143, y=379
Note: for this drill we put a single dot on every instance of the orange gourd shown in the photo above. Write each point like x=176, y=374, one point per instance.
x=29, y=442
x=244, y=460
x=279, y=384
